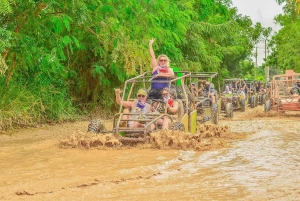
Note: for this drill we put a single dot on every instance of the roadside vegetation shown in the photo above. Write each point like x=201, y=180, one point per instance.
x=61, y=60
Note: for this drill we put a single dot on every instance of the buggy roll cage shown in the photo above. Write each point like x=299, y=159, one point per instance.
x=233, y=81
x=284, y=82
x=207, y=76
x=145, y=80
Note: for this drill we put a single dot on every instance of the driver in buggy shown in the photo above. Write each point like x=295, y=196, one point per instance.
x=209, y=91
x=227, y=90
x=241, y=89
x=261, y=88
x=296, y=88
x=139, y=106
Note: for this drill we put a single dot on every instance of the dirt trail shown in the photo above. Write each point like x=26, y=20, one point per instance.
x=35, y=166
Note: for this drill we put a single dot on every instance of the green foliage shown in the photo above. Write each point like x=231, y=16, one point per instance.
x=5, y=6
x=30, y=105
x=73, y=53
x=285, y=43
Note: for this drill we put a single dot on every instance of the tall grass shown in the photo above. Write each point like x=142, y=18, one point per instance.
x=22, y=106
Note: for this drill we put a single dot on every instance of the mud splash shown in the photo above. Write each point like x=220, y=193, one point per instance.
x=208, y=136
x=88, y=140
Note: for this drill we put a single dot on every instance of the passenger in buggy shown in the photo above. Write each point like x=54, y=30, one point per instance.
x=161, y=72
x=169, y=102
x=194, y=89
x=296, y=88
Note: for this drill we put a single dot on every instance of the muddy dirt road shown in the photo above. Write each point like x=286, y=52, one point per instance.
x=260, y=162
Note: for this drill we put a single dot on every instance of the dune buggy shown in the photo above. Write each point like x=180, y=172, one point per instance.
x=251, y=92
x=205, y=96
x=184, y=120
x=263, y=93
x=235, y=100
x=282, y=96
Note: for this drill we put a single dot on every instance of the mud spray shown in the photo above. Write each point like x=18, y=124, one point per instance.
x=208, y=136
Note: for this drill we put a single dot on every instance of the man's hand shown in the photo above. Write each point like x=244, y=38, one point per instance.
x=118, y=91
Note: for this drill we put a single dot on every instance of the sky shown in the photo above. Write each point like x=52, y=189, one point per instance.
x=262, y=11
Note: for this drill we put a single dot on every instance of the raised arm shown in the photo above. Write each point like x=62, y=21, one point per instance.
x=244, y=87
x=126, y=104
x=235, y=84
x=154, y=63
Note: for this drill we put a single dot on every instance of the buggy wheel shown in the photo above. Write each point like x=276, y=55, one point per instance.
x=177, y=126
x=96, y=126
x=229, y=110
x=252, y=101
x=263, y=99
x=256, y=101
x=214, y=113
x=267, y=106
x=243, y=105
x=260, y=99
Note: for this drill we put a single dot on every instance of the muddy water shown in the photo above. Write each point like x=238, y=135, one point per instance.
x=264, y=166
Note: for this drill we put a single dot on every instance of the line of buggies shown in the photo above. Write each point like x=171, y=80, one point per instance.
x=198, y=94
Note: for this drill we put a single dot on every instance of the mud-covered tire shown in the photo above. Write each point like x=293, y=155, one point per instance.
x=229, y=110
x=214, y=113
x=256, y=101
x=96, y=125
x=243, y=105
x=252, y=101
x=260, y=99
x=263, y=99
x=177, y=126
x=267, y=106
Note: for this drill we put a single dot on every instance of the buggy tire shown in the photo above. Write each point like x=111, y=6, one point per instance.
x=96, y=125
x=214, y=113
x=177, y=126
x=263, y=99
x=256, y=101
x=260, y=99
x=267, y=106
x=229, y=110
x=243, y=105
x=252, y=101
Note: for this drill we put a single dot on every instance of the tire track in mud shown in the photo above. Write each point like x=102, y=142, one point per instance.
x=88, y=184
x=102, y=182
x=161, y=170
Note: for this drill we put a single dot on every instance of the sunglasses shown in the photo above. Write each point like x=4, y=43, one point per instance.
x=163, y=60
x=143, y=96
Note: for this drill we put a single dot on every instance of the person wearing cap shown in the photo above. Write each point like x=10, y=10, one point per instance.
x=171, y=104
x=296, y=88
x=136, y=106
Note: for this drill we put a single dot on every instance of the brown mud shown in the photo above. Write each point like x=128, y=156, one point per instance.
x=250, y=157
x=208, y=136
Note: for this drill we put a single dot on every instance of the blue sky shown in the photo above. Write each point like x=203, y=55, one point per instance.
x=262, y=11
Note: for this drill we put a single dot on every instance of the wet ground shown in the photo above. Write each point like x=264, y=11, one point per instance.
x=260, y=162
